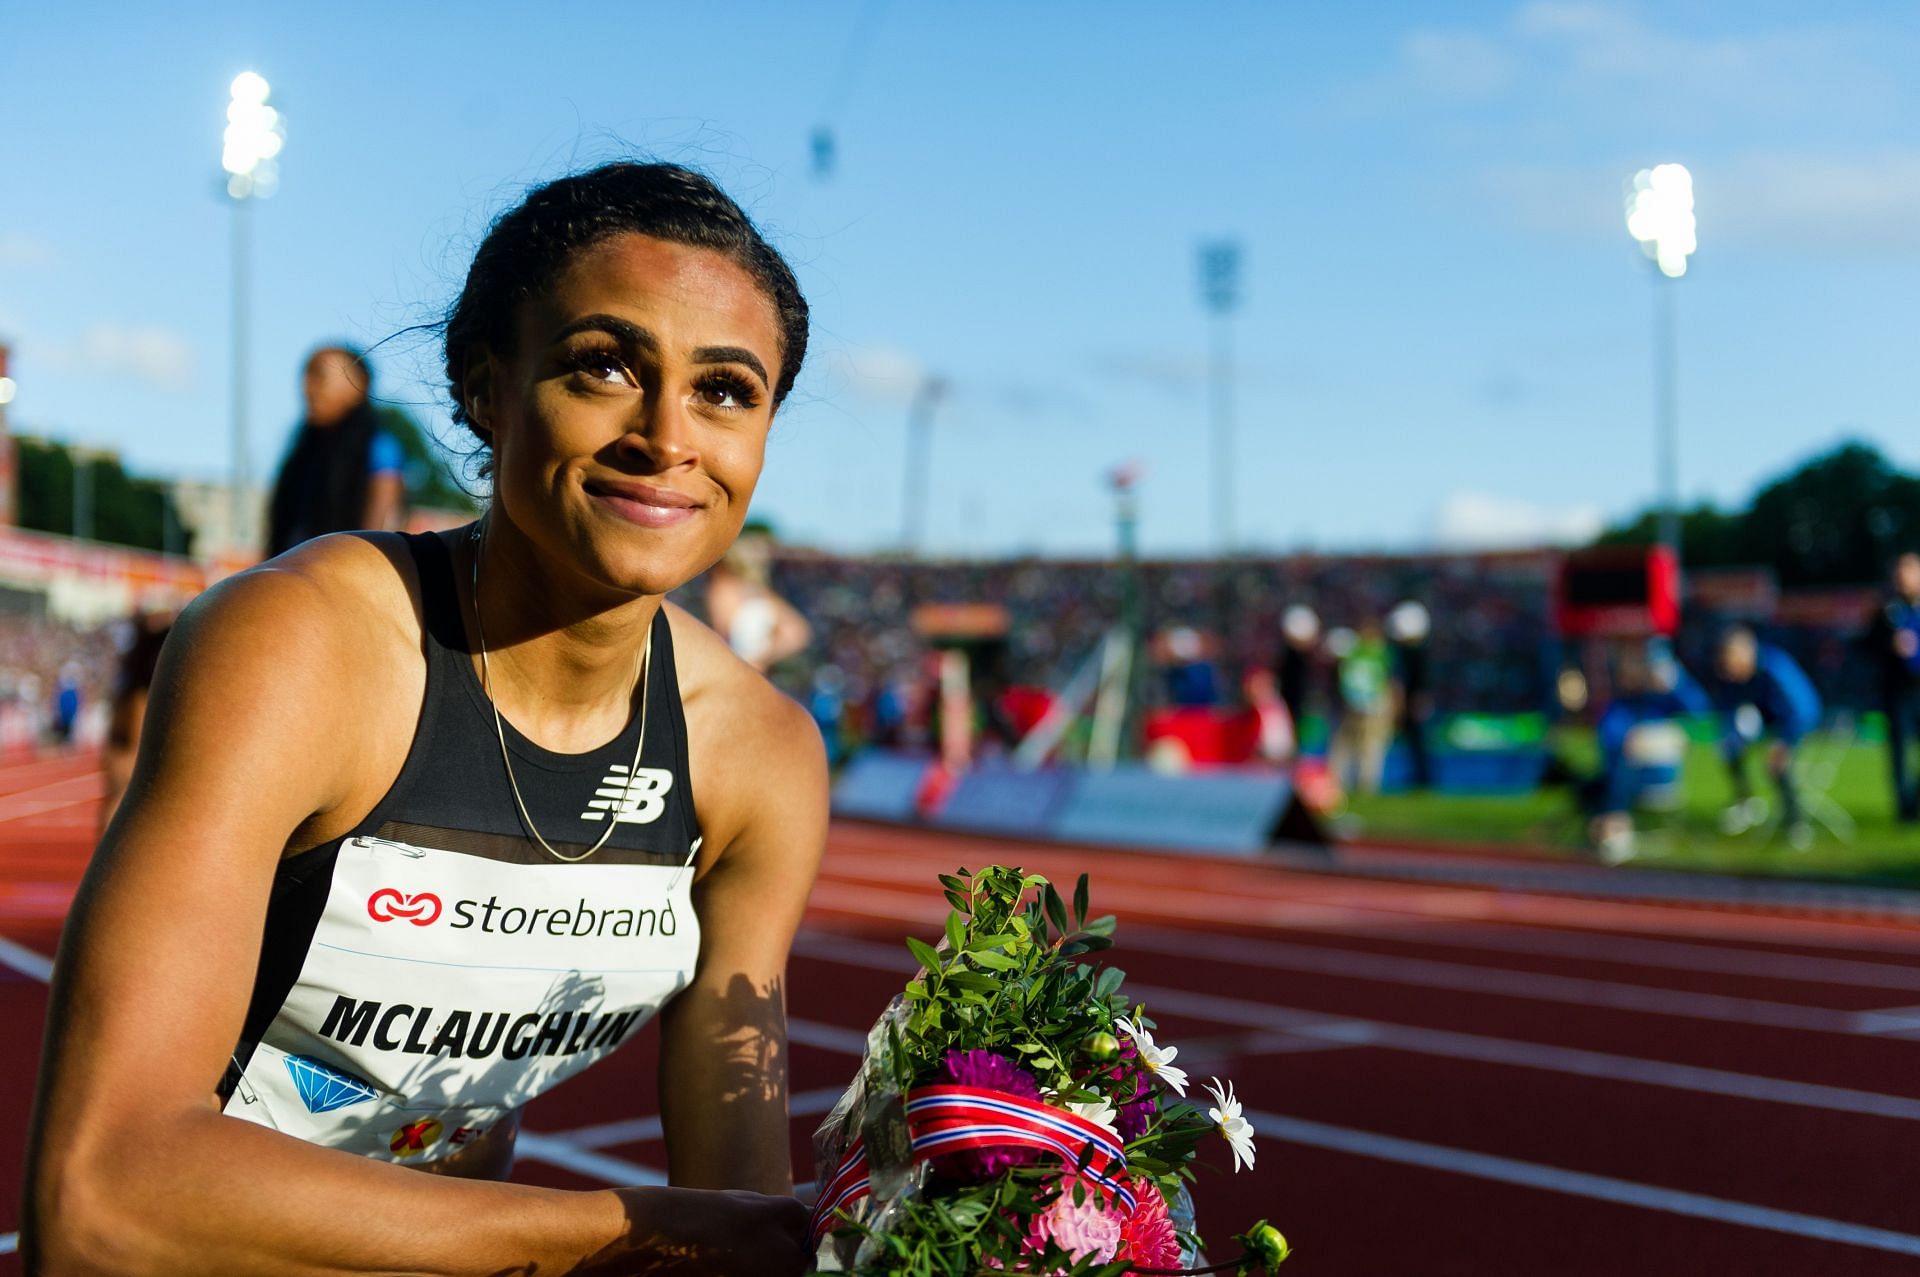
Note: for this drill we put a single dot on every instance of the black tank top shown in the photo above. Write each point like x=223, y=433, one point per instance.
x=428, y=973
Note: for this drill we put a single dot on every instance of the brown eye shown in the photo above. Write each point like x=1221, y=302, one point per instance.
x=726, y=391
x=601, y=366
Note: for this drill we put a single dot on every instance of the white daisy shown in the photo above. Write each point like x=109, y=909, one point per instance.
x=1228, y=1121
x=1158, y=1059
x=1099, y=1112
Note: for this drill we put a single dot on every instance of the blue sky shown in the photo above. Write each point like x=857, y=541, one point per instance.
x=1445, y=334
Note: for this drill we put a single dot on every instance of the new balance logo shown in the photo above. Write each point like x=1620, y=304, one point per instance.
x=637, y=799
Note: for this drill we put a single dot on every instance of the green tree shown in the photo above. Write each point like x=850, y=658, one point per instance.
x=124, y=510
x=1836, y=519
x=1833, y=520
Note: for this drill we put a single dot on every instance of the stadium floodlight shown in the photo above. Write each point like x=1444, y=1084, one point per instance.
x=249, y=152
x=1219, y=262
x=254, y=138
x=1660, y=216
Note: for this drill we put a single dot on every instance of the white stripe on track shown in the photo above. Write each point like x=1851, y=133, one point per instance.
x=638, y=1130
x=583, y=1161
x=854, y=866
x=1443, y=1043
x=26, y=961
x=1534, y=986
x=1534, y=1055
x=1458, y=977
x=1555, y=1179
x=1635, y=951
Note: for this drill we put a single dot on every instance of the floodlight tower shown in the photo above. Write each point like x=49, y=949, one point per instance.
x=1220, y=293
x=1660, y=217
x=255, y=134
x=917, y=491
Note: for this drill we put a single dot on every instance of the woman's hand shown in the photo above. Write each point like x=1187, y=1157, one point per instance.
x=722, y=1232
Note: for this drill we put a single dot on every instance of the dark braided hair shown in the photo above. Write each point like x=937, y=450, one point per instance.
x=527, y=247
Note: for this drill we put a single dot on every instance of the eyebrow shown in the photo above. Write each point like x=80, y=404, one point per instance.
x=632, y=334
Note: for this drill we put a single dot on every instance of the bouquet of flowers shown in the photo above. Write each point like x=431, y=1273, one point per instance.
x=1014, y=1114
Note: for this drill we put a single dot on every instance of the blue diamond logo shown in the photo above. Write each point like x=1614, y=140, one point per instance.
x=323, y=1089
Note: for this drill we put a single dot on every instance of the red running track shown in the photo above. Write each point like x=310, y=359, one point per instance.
x=1443, y=1079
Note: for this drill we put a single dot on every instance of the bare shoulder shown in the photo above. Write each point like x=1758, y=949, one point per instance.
x=337, y=595
x=751, y=743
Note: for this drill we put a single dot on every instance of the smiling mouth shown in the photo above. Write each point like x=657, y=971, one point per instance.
x=643, y=503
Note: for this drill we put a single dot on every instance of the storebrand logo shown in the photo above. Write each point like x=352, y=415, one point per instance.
x=634, y=799
x=388, y=905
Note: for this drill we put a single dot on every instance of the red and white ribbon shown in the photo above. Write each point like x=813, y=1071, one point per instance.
x=952, y=1119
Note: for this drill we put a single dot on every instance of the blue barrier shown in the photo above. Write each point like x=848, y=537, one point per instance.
x=1234, y=811
x=1001, y=800
x=1469, y=771
x=1133, y=806
x=877, y=785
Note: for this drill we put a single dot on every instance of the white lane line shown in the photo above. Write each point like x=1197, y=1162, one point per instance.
x=26, y=961
x=829, y=1037
x=1533, y=986
x=854, y=872
x=640, y=1129
x=1533, y=1055
x=582, y=1161
x=1555, y=1179
x=1455, y=976
x=1638, y=952
x=1449, y=1045
x=1891, y=1021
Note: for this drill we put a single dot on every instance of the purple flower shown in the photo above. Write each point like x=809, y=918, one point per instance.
x=1133, y=1119
x=990, y=1071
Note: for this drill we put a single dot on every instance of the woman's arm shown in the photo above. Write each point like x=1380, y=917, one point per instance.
x=131, y=1168
x=723, y=1054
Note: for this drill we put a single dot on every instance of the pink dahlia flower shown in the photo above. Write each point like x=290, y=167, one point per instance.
x=1084, y=1231
x=1148, y=1237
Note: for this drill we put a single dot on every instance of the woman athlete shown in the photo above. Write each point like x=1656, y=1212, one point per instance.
x=422, y=825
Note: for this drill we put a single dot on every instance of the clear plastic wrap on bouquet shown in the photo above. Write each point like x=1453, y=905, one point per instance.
x=872, y=1113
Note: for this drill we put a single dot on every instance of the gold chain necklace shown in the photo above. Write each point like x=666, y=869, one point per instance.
x=644, y=664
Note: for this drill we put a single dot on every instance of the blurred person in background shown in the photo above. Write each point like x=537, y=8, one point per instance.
x=1300, y=635
x=762, y=628
x=1643, y=743
x=1893, y=645
x=67, y=698
x=1186, y=663
x=1758, y=690
x=1408, y=627
x=132, y=682
x=1364, y=676
x=343, y=473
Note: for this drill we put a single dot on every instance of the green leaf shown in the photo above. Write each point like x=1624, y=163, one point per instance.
x=923, y=953
x=956, y=932
x=1080, y=901
x=993, y=961
x=1056, y=910
x=1109, y=982
x=1101, y=926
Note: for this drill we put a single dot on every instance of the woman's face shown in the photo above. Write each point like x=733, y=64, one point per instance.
x=333, y=386
x=629, y=421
